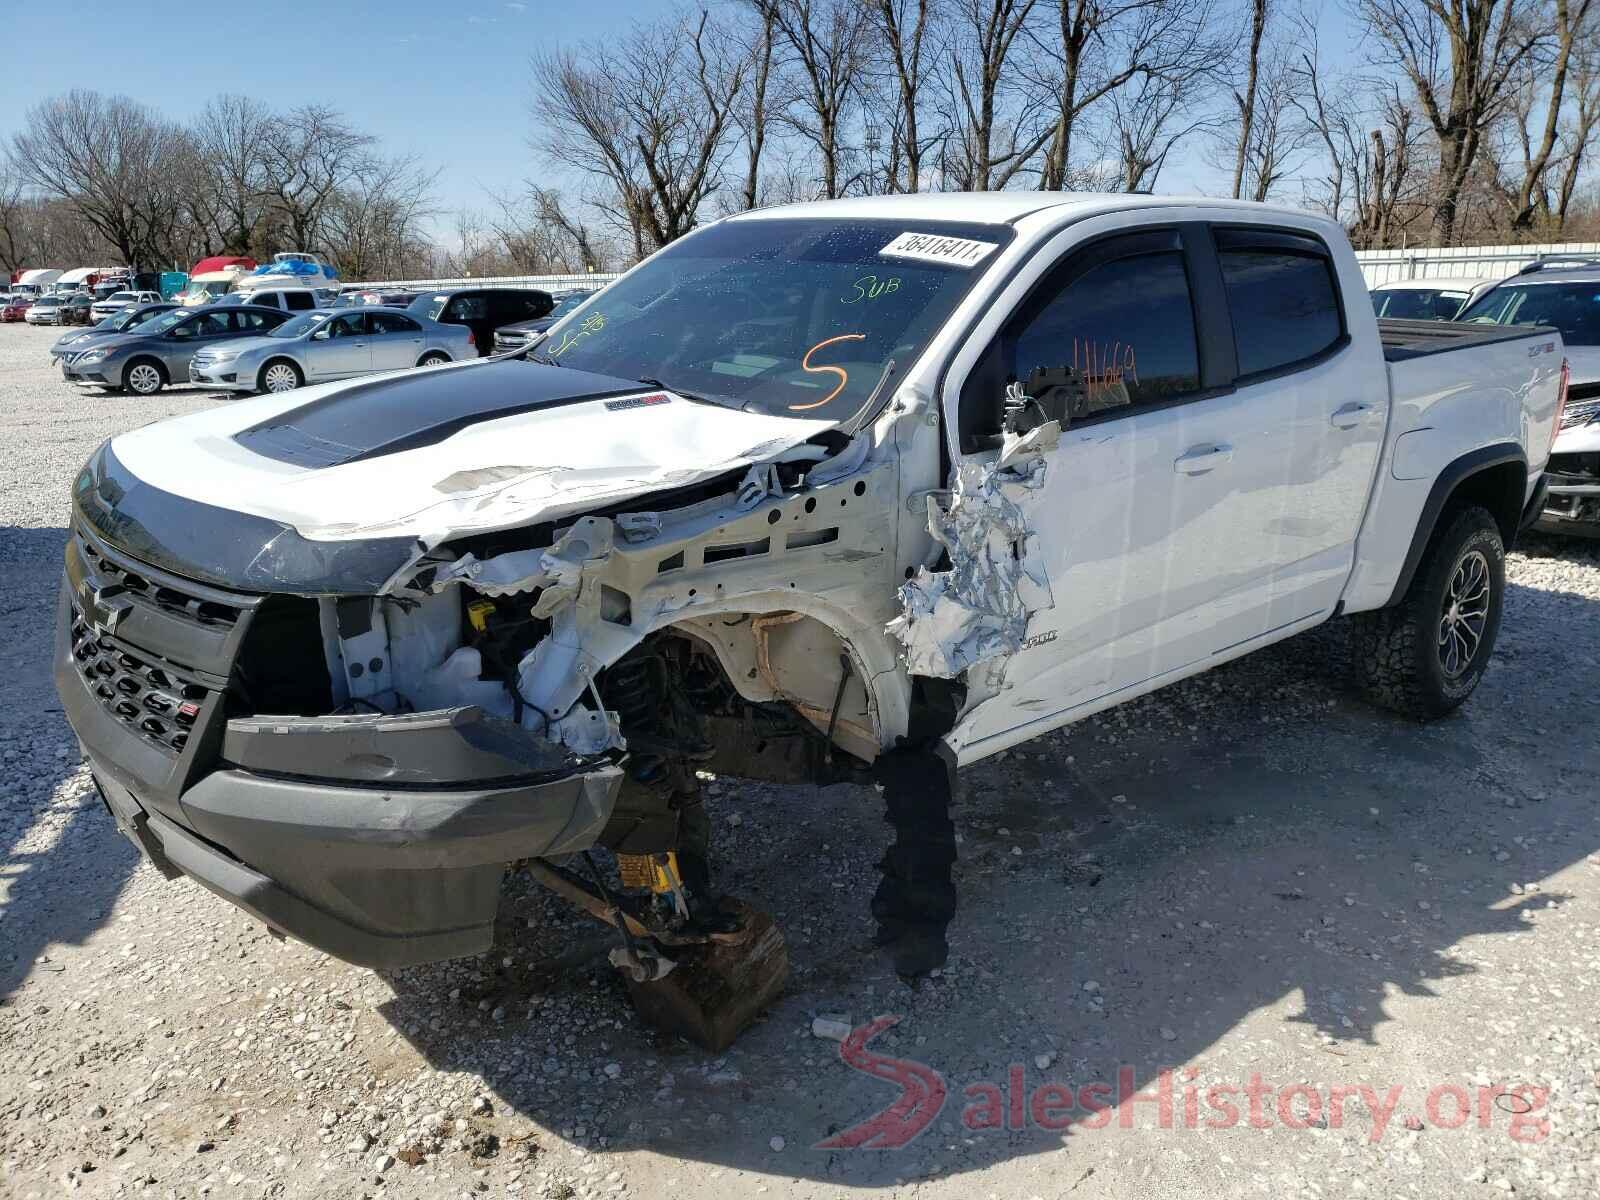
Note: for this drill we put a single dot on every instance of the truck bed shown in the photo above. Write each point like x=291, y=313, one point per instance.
x=1404, y=339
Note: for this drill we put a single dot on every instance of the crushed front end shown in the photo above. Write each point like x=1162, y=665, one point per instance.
x=224, y=748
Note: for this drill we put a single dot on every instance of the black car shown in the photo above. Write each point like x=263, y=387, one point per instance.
x=515, y=337
x=483, y=310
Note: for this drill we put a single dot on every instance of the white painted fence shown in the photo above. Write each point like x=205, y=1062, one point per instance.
x=548, y=283
x=1389, y=266
x=1379, y=266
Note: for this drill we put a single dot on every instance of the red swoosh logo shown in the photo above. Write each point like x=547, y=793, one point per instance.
x=922, y=1093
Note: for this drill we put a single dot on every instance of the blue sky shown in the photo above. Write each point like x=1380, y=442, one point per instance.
x=446, y=80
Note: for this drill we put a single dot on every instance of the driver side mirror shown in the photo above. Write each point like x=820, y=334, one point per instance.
x=181, y=332
x=322, y=334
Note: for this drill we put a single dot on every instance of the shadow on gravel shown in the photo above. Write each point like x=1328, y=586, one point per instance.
x=60, y=895
x=63, y=864
x=1234, y=844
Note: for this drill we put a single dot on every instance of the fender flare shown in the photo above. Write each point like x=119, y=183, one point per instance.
x=1454, y=474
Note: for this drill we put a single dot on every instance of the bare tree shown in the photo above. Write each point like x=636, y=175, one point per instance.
x=1585, y=116
x=103, y=157
x=994, y=123
x=1151, y=116
x=826, y=45
x=904, y=26
x=16, y=215
x=648, y=118
x=311, y=154
x=751, y=116
x=1461, y=58
x=233, y=138
x=1541, y=96
x=373, y=223
x=1245, y=100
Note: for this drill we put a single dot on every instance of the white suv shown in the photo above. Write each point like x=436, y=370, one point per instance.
x=290, y=299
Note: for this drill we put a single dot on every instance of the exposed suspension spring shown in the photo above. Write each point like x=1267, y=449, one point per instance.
x=630, y=690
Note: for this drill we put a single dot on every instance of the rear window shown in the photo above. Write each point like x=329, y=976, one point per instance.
x=1418, y=304
x=1571, y=306
x=1281, y=295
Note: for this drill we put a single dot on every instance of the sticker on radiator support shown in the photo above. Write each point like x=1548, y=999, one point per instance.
x=638, y=402
x=933, y=247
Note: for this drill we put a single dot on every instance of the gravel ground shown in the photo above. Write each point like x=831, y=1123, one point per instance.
x=1249, y=875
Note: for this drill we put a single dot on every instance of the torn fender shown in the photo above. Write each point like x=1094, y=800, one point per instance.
x=978, y=608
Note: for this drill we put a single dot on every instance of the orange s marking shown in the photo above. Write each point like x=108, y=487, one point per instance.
x=844, y=376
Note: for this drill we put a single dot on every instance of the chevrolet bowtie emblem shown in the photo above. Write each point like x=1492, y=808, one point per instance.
x=107, y=609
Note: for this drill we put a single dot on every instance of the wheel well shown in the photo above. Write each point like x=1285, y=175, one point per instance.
x=1494, y=477
x=435, y=353
x=1499, y=489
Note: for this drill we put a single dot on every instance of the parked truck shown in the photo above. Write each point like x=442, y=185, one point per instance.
x=861, y=490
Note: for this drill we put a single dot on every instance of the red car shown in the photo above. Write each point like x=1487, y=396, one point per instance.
x=14, y=310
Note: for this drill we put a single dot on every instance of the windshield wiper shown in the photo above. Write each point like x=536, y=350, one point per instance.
x=656, y=383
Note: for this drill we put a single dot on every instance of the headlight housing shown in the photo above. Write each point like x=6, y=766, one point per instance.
x=94, y=356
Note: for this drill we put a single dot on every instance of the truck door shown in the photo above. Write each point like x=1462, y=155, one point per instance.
x=1313, y=408
x=1130, y=519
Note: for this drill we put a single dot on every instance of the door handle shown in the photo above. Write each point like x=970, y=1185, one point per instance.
x=1348, y=416
x=1197, y=460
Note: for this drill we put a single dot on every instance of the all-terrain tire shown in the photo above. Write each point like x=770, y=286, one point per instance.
x=1425, y=656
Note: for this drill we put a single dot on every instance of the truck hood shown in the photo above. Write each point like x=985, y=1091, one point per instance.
x=431, y=454
x=1584, y=362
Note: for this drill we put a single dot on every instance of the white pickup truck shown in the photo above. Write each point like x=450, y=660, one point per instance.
x=850, y=490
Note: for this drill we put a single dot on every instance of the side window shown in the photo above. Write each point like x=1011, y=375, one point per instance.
x=383, y=322
x=349, y=325
x=300, y=301
x=468, y=308
x=1282, y=298
x=1126, y=326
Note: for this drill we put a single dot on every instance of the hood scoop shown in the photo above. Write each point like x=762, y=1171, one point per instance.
x=391, y=414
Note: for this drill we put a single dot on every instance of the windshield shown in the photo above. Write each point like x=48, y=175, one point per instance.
x=1573, y=307
x=780, y=316
x=132, y=318
x=166, y=321
x=568, y=304
x=300, y=326
x=1421, y=304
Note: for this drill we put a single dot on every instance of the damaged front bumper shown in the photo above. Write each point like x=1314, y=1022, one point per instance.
x=380, y=839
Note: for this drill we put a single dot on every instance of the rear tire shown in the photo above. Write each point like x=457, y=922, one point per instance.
x=279, y=376
x=1426, y=655
x=144, y=377
x=433, y=359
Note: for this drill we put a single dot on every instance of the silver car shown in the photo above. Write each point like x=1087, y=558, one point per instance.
x=324, y=345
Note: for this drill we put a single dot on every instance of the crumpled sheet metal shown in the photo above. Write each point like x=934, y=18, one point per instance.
x=978, y=610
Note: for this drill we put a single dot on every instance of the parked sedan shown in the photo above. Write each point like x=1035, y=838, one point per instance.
x=123, y=322
x=146, y=359
x=44, y=311
x=515, y=337
x=319, y=346
x=15, y=308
